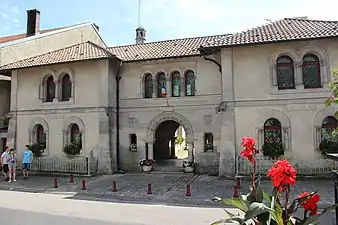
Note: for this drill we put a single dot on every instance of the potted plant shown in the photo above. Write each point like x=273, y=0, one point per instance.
x=72, y=149
x=272, y=149
x=328, y=146
x=133, y=147
x=146, y=164
x=209, y=147
x=38, y=148
x=259, y=207
x=188, y=166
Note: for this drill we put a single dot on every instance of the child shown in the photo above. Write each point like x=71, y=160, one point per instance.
x=12, y=163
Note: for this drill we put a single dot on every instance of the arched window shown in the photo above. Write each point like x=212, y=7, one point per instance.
x=189, y=81
x=39, y=136
x=50, y=89
x=66, y=88
x=148, y=86
x=329, y=124
x=311, y=71
x=75, y=135
x=161, y=85
x=285, y=73
x=272, y=131
x=176, y=84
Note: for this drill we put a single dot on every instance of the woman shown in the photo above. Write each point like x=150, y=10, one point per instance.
x=12, y=163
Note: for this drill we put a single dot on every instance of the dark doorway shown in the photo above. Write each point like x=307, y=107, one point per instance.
x=165, y=139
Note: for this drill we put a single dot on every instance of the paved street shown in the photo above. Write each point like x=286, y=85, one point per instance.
x=21, y=208
x=40, y=209
x=167, y=189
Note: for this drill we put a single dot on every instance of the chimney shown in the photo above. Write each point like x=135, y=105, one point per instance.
x=33, y=22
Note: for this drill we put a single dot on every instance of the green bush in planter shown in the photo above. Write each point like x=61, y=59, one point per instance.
x=328, y=146
x=272, y=149
x=38, y=148
x=72, y=149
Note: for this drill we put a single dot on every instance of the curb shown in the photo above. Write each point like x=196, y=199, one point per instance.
x=112, y=197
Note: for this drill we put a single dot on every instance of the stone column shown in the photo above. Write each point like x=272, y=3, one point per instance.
x=190, y=152
x=106, y=152
x=150, y=150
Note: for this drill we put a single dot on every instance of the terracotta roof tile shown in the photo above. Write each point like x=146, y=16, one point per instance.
x=20, y=36
x=82, y=51
x=288, y=29
x=162, y=49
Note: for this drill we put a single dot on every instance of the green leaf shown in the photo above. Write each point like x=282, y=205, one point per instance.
x=256, y=209
x=267, y=197
x=237, y=203
x=313, y=219
x=277, y=215
x=259, y=194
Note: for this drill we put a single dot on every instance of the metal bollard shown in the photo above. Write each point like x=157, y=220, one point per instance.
x=71, y=179
x=149, y=192
x=114, y=189
x=236, y=195
x=83, y=185
x=238, y=181
x=55, y=183
x=188, y=192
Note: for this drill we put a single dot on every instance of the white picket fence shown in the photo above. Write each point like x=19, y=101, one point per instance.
x=310, y=167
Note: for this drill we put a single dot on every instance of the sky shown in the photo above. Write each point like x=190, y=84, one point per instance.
x=162, y=19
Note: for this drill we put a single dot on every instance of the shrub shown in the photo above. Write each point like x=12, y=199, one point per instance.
x=38, y=148
x=72, y=149
x=272, y=149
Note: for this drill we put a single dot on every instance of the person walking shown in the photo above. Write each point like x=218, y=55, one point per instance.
x=27, y=158
x=4, y=162
x=12, y=163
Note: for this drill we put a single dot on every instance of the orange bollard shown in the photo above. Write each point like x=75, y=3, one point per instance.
x=71, y=179
x=188, y=193
x=83, y=185
x=236, y=195
x=114, y=189
x=55, y=183
x=149, y=192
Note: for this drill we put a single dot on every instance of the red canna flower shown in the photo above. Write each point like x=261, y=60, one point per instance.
x=282, y=174
x=310, y=204
x=249, y=151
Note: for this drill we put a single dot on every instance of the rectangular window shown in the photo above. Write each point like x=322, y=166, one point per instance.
x=208, y=142
x=133, y=142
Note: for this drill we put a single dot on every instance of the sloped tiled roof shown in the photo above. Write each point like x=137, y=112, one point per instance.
x=78, y=52
x=20, y=36
x=162, y=49
x=289, y=29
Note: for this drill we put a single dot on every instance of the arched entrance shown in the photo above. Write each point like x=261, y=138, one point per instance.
x=163, y=133
x=170, y=141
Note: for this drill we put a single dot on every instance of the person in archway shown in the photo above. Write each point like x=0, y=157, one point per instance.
x=27, y=158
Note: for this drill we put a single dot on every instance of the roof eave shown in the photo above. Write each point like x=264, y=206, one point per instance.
x=161, y=58
x=59, y=63
x=267, y=42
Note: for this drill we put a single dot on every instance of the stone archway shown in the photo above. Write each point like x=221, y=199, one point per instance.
x=165, y=117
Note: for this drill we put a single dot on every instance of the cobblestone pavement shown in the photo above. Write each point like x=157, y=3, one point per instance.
x=166, y=188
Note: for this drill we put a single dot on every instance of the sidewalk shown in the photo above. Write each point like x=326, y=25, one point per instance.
x=166, y=188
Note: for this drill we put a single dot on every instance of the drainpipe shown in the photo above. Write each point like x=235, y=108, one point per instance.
x=118, y=78
x=234, y=99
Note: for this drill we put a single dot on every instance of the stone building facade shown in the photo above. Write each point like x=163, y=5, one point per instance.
x=262, y=83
